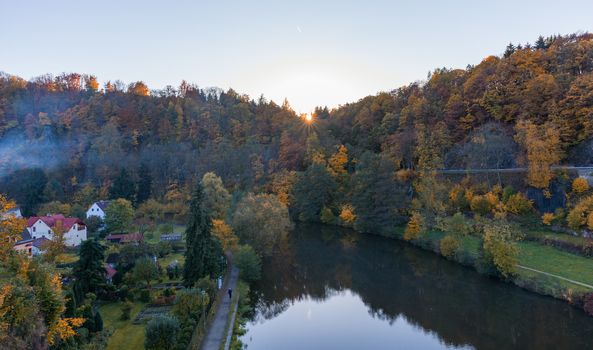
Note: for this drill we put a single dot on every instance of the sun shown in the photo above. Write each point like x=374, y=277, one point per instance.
x=308, y=118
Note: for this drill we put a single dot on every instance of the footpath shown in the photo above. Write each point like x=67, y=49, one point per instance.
x=216, y=332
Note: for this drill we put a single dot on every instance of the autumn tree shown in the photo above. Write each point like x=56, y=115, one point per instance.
x=216, y=197
x=581, y=215
x=11, y=227
x=500, y=249
x=261, y=221
x=542, y=145
x=57, y=245
x=580, y=185
x=32, y=307
x=414, y=227
x=224, y=233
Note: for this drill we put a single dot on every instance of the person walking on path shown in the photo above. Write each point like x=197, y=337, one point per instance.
x=217, y=331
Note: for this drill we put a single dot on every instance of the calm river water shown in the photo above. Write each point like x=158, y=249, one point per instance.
x=331, y=288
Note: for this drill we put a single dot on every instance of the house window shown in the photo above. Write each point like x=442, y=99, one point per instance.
x=34, y=229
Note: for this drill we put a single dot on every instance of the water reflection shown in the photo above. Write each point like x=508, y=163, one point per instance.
x=365, y=292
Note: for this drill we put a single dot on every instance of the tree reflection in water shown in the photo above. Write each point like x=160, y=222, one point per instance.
x=397, y=282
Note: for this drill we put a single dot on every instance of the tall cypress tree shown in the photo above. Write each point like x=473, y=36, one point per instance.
x=144, y=187
x=89, y=270
x=203, y=254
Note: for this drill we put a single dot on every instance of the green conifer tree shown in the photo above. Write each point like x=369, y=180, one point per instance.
x=203, y=254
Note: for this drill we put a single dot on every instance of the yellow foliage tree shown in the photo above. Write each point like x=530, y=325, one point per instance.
x=542, y=145
x=448, y=246
x=579, y=215
x=547, y=218
x=10, y=227
x=225, y=234
x=347, y=214
x=580, y=185
x=57, y=245
x=281, y=184
x=338, y=161
x=518, y=204
x=500, y=249
x=414, y=227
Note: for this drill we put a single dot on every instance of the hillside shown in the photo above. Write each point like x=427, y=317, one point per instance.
x=503, y=112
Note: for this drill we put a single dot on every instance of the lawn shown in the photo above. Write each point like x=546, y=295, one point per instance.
x=536, y=256
x=551, y=260
x=154, y=236
x=125, y=334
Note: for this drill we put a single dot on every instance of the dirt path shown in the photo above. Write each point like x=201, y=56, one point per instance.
x=216, y=333
x=560, y=277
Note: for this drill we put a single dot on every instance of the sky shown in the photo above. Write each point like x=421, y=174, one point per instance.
x=314, y=53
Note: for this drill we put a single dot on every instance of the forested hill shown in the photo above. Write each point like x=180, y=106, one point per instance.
x=532, y=106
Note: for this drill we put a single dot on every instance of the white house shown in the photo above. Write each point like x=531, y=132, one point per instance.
x=31, y=247
x=44, y=226
x=97, y=209
x=16, y=212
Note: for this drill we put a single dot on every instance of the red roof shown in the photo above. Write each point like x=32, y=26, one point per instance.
x=52, y=220
x=110, y=271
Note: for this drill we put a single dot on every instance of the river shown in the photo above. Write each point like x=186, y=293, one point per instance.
x=332, y=288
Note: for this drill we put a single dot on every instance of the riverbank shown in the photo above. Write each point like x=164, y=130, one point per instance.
x=546, y=270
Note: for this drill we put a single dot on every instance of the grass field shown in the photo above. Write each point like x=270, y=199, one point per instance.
x=551, y=260
x=536, y=256
x=125, y=334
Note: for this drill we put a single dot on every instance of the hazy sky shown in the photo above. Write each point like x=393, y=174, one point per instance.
x=311, y=52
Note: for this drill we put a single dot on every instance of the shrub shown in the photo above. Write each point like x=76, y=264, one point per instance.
x=580, y=215
x=499, y=248
x=457, y=198
x=190, y=304
x=580, y=185
x=449, y=246
x=547, y=218
x=457, y=225
x=126, y=309
x=414, y=227
x=507, y=193
x=249, y=263
x=161, y=333
x=144, y=296
x=173, y=270
x=518, y=204
x=327, y=216
x=208, y=285
x=481, y=205
x=347, y=215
